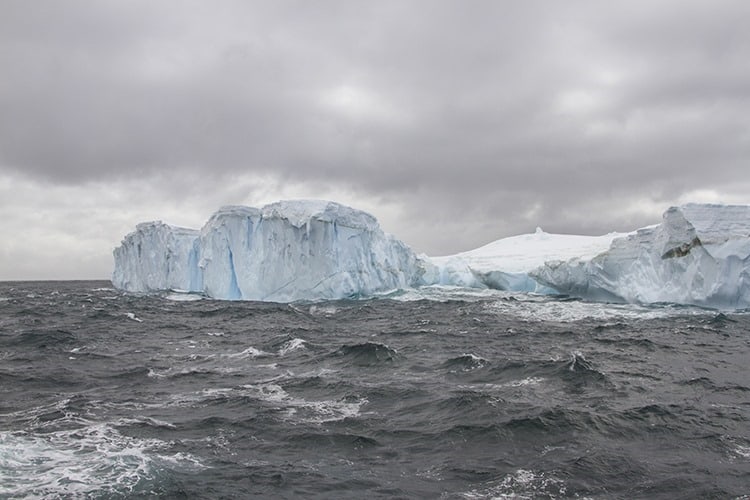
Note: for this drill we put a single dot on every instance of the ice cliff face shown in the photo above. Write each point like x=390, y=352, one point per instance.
x=285, y=251
x=699, y=254
x=157, y=256
x=302, y=250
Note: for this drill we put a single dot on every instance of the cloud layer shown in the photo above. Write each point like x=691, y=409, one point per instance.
x=455, y=123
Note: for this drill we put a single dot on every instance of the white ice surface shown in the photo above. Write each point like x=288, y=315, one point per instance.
x=318, y=250
x=282, y=252
x=157, y=256
x=505, y=264
x=699, y=254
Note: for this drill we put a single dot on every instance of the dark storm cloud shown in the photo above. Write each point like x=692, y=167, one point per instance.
x=526, y=111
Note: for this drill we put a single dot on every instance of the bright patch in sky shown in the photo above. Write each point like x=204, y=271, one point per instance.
x=358, y=103
x=580, y=101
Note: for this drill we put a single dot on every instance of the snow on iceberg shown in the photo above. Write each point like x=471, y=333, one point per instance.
x=699, y=254
x=506, y=264
x=282, y=252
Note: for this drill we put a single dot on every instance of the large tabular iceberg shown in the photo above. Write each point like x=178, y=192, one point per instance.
x=285, y=251
x=317, y=250
x=699, y=254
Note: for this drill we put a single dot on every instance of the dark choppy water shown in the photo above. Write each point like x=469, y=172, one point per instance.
x=105, y=395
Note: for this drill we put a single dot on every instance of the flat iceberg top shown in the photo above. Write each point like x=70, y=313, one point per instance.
x=716, y=223
x=158, y=225
x=235, y=210
x=525, y=252
x=299, y=212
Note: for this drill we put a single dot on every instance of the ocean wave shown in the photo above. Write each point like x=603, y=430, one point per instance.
x=446, y=293
x=291, y=345
x=541, y=309
x=368, y=354
x=250, y=352
x=89, y=461
x=303, y=410
x=465, y=362
x=182, y=297
x=521, y=484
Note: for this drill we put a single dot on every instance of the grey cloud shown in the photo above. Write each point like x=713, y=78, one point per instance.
x=503, y=111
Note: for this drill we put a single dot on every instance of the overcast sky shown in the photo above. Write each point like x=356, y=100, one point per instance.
x=454, y=123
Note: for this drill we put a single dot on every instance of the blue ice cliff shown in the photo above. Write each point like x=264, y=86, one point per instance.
x=282, y=252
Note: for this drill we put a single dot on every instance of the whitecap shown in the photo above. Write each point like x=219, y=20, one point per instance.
x=444, y=293
x=132, y=316
x=490, y=387
x=528, y=381
x=182, y=297
x=291, y=345
x=250, y=352
x=318, y=310
x=478, y=360
x=303, y=410
x=154, y=422
x=90, y=461
x=520, y=484
x=544, y=309
x=270, y=366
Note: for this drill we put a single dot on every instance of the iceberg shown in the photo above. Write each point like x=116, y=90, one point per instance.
x=507, y=264
x=320, y=250
x=157, y=256
x=699, y=255
x=283, y=252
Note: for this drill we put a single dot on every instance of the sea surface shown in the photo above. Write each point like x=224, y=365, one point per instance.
x=437, y=393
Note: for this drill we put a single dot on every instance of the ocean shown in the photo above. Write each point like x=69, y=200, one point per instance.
x=435, y=393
